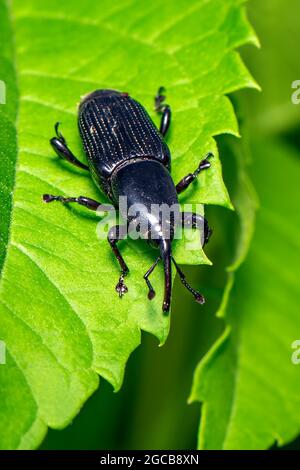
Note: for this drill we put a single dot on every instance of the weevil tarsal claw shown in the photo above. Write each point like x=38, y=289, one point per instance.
x=151, y=294
x=58, y=133
x=121, y=287
x=199, y=298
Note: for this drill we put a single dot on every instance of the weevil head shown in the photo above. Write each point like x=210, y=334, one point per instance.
x=161, y=224
x=158, y=229
x=150, y=207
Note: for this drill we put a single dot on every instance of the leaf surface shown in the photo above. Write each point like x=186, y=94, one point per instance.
x=247, y=381
x=60, y=317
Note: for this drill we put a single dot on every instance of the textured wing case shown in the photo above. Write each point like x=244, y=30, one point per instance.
x=115, y=128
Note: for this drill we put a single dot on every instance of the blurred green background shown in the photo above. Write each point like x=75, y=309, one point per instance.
x=151, y=410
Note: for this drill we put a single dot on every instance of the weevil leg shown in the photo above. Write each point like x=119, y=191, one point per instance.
x=151, y=293
x=188, y=179
x=82, y=200
x=60, y=147
x=116, y=234
x=198, y=297
x=192, y=220
x=163, y=109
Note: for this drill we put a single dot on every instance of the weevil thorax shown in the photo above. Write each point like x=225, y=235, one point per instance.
x=147, y=199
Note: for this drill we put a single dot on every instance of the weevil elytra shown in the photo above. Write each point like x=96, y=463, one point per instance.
x=128, y=157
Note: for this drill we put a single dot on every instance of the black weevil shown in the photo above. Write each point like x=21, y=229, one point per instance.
x=127, y=156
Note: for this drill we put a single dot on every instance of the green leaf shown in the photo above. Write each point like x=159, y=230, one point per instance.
x=60, y=317
x=247, y=381
x=245, y=202
x=272, y=111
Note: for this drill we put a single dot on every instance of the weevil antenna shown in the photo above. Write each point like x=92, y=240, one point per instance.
x=198, y=297
x=165, y=251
